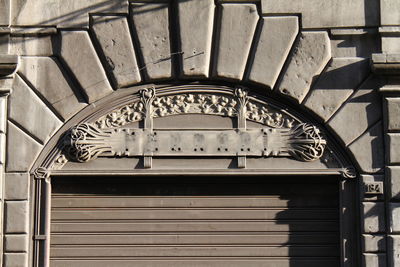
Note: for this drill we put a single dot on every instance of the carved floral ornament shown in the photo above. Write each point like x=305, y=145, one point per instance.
x=111, y=136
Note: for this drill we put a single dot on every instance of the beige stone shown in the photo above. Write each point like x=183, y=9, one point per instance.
x=373, y=217
x=393, y=250
x=393, y=182
x=63, y=13
x=374, y=260
x=310, y=57
x=50, y=80
x=327, y=13
x=390, y=12
x=151, y=26
x=373, y=243
x=368, y=149
x=238, y=24
x=78, y=53
x=22, y=150
x=16, y=243
x=393, y=148
x=394, y=217
x=16, y=218
x=196, y=19
x=4, y=12
x=391, y=44
x=361, y=111
x=276, y=39
x=16, y=260
x=31, y=46
x=29, y=111
x=3, y=111
x=113, y=35
x=16, y=186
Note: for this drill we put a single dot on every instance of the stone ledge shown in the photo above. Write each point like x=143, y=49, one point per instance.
x=8, y=64
x=386, y=64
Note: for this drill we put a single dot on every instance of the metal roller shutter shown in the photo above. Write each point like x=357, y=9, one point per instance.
x=195, y=221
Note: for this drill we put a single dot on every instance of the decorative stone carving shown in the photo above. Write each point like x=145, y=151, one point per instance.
x=41, y=173
x=349, y=172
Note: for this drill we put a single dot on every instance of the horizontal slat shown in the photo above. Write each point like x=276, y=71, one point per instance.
x=193, y=226
x=61, y=201
x=192, y=214
x=192, y=251
x=224, y=262
x=180, y=239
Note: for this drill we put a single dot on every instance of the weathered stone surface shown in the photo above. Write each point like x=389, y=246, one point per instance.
x=113, y=35
x=4, y=12
x=63, y=13
x=390, y=44
x=360, y=111
x=151, y=24
x=2, y=147
x=336, y=84
x=31, y=46
x=196, y=20
x=78, y=53
x=355, y=45
x=238, y=24
x=393, y=177
x=276, y=40
x=393, y=250
x=3, y=112
x=311, y=55
x=50, y=80
x=394, y=217
x=16, y=260
x=32, y=115
x=374, y=260
x=16, y=217
x=4, y=44
x=16, y=186
x=16, y=243
x=373, y=243
x=393, y=113
x=366, y=179
x=368, y=149
x=393, y=148
x=390, y=12
x=328, y=13
x=22, y=150
x=373, y=217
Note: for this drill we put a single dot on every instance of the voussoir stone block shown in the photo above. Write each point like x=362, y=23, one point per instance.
x=276, y=39
x=16, y=260
x=16, y=243
x=16, y=186
x=310, y=56
x=196, y=19
x=361, y=111
x=22, y=150
x=373, y=217
x=151, y=29
x=393, y=113
x=368, y=149
x=393, y=148
x=373, y=243
x=16, y=217
x=336, y=84
x=78, y=53
x=50, y=80
x=393, y=177
x=113, y=35
x=238, y=24
x=36, y=118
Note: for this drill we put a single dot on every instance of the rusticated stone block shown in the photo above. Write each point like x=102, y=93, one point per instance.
x=196, y=18
x=16, y=243
x=16, y=260
x=238, y=24
x=276, y=39
x=394, y=250
x=5, y=12
x=310, y=56
x=113, y=35
x=368, y=150
x=78, y=53
x=22, y=150
x=374, y=260
x=390, y=12
x=373, y=217
x=151, y=25
x=393, y=181
x=16, y=217
x=373, y=243
x=16, y=186
x=393, y=113
x=393, y=148
x=49, y=79
x=361, y=111
x=36, y=117
x=336, y=84
x=3, y=110
x=394, y=217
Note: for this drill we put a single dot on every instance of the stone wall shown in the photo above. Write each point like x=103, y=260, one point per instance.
x=313, y=55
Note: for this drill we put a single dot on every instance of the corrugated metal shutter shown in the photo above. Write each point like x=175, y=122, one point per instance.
x=215, y=221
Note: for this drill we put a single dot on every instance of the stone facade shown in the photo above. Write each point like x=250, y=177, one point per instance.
x=338, y=62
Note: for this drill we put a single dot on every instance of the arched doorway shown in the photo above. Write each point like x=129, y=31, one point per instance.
x=276, y=177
